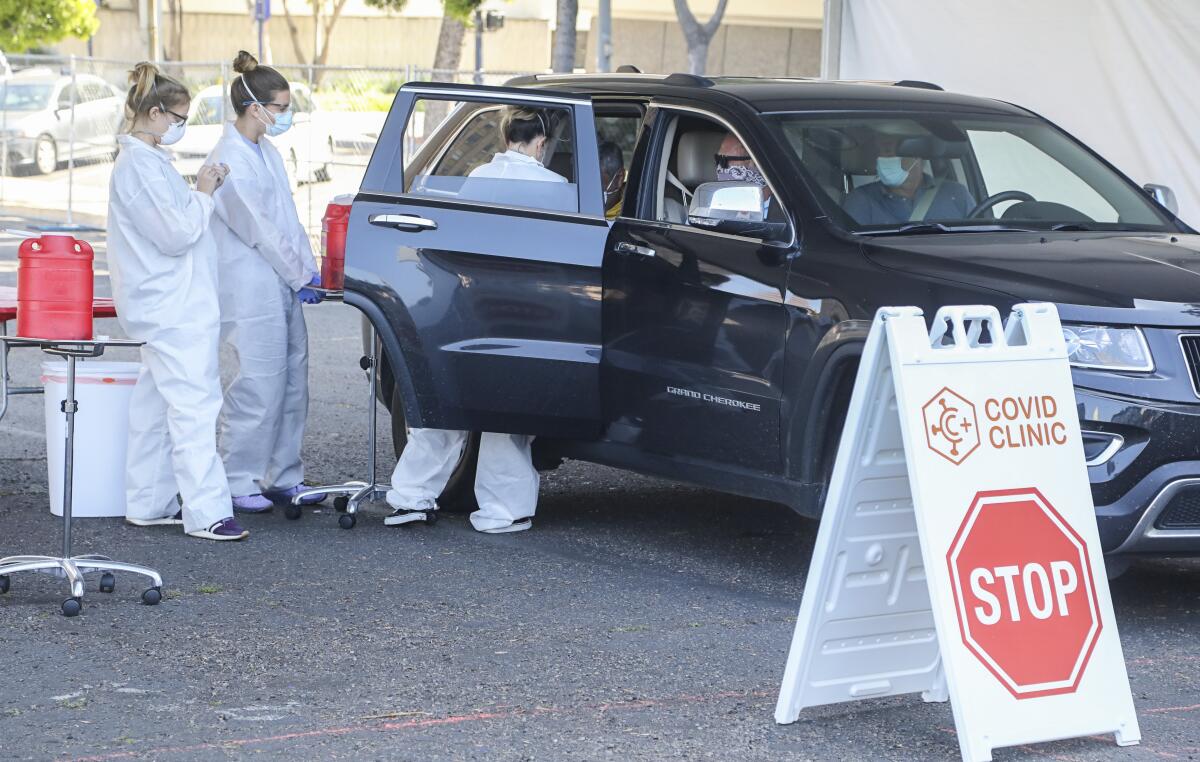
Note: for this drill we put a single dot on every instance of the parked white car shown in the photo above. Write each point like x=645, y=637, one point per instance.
x=36, y=126
x=307, y=148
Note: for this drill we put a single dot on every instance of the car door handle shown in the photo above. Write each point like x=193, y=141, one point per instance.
x=409, y=222
x=625, y=247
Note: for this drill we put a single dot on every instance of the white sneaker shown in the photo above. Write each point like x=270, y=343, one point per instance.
x=159, y=522
x=401, y=516
x=517, y=526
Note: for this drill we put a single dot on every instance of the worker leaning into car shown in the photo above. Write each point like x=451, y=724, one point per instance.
x=163, y=264
x=506, y=483
x=267, y=270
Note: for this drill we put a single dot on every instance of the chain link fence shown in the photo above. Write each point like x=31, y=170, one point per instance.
x=60, y=117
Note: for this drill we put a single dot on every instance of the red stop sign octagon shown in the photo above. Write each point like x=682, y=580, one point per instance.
x=1024, y=592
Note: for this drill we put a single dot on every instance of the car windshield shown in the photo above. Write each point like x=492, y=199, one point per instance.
x=24, y=97
x=947, y=173
x=207, y=110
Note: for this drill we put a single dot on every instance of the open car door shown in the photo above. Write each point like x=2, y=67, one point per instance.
x=485, y=282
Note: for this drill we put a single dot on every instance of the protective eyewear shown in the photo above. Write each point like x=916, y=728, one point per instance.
x=724, y=160
x=166, y=110
x=283, y=108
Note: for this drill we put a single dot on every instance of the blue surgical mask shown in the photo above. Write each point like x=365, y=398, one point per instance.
x=283, y=123
x=891, y=171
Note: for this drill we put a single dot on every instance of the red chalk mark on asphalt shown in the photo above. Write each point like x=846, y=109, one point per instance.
x=456, y=719
x=518, y=713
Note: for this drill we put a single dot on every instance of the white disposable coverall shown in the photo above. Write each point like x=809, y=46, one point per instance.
x=506, y=483
x=265, y=258
x=162, y=262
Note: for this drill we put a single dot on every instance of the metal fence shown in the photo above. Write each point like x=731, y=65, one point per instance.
x=60, y=116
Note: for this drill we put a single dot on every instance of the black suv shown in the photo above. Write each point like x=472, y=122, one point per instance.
x=710, y=331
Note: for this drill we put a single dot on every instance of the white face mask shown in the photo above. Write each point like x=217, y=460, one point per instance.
x=173, y=134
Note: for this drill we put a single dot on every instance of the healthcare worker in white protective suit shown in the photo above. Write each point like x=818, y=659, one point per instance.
x=162, y=261
x=506, y=483
x=266, y=267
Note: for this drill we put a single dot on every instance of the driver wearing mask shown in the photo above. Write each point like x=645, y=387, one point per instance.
x=904, y=191
x=734, y=164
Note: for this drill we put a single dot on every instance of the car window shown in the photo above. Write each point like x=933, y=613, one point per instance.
x=65, y=97
x=300, y=101
x=616, y=137
x=460, y=153
x=1007, y=160
x=210, y=109
x=689, y=160
x=24, y=97
x=876, y=174
x=94, y=91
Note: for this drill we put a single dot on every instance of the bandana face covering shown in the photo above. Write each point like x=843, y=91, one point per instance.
x=741, y=174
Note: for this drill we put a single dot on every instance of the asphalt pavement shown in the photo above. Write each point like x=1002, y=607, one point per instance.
x=638, y=620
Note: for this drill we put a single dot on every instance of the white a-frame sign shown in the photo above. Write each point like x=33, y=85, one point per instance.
x=958, y=555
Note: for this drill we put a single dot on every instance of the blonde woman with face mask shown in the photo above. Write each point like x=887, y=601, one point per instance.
x=162, y=262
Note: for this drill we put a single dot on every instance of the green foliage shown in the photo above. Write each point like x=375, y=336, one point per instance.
x=26, y=24
x=387, y=5
x=461, y=9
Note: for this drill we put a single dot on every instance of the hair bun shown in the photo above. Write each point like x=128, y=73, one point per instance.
x=142, y=72
x=244, y=62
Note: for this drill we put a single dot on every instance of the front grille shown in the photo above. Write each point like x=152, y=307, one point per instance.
x=1183, y=512
x=1191, y=353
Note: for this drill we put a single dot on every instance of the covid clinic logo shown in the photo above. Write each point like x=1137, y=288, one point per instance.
x=951, y=427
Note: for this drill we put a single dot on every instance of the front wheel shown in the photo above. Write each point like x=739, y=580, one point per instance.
x=45, y=155
x=459, y=494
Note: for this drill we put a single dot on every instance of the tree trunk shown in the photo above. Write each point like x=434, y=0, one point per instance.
x=294, y=33
x=326, y=37
x=446, y=61
x=563, y=57
x=698, y=35
x=697, y=56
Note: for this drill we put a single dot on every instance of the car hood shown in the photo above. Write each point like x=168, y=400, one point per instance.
x=1151, y=279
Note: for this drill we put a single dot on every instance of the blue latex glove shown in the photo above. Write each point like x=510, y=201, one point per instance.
x=307, y=295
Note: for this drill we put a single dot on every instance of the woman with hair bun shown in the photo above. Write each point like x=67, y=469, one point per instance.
x=163, y=266
x=266, y=269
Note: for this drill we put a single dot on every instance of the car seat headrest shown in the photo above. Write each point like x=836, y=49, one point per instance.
x=694, y=160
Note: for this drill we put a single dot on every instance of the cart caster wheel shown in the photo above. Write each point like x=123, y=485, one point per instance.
x=72, y=607
x=152, y=596
x=292, y=512
x=108, y=582
x=431, y=517
x=4, y=584
x=341, y=503
x=347, y=520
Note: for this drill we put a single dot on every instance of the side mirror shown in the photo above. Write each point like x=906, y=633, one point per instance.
x=732, y=207
x=1163, y=195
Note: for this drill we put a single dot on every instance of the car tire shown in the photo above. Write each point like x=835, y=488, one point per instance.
x=459, y=494
x=45, y=155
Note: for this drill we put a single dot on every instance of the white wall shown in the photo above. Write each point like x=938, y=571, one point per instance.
x=1120, y=75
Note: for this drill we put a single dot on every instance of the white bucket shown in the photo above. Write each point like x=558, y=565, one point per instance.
x=102, y=390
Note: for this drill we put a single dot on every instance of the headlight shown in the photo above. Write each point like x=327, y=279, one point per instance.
x=1098, y=346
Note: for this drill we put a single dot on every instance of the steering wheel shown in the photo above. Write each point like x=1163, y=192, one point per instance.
x=996, y=198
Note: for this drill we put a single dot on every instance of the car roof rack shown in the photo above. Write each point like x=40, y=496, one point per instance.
x=691, y=80
x=919, y=84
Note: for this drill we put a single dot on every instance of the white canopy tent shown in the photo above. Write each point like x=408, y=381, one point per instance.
x=1123, y=76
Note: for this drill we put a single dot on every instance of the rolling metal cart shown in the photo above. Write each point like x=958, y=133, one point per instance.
x=351, y=495
x=68, y=565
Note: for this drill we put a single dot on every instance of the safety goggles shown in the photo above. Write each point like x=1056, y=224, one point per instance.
x=283, y=108
x=724, y=160
x=166, y=110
